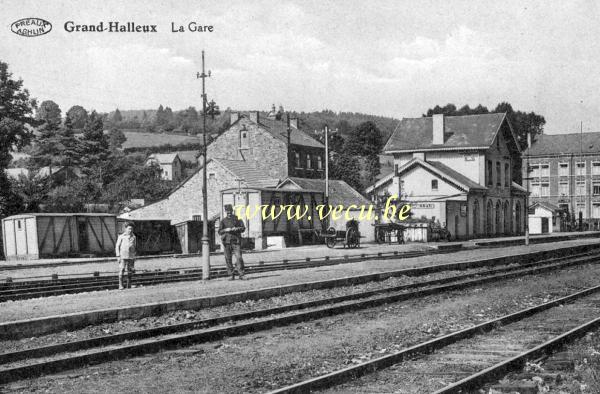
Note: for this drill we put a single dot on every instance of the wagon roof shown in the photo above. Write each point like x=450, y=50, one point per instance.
x=58, y=214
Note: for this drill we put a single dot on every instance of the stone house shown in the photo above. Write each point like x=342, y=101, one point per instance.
x=264, y=143
x=169, y=163
x=185, y=201
x=252, y=152
x=457, y=170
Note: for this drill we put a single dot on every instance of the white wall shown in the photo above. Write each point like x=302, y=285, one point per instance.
x=466, y=164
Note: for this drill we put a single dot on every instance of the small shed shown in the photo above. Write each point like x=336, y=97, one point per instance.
x=189, y=234
x=47, y=235
x=153, y=236
x=544, y=218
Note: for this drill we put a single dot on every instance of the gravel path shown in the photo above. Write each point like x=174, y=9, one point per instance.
x=270, y=359
x=49, y=306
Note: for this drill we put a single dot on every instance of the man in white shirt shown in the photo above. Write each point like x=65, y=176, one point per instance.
x=126, y=251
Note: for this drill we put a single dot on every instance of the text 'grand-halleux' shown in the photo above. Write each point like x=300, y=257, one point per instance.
x=132, y=27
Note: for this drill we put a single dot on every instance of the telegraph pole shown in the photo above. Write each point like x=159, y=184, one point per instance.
x=526, y=210
x=326, y=164
x=205, y=240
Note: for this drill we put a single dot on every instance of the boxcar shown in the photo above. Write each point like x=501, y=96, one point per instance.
x=48, y=235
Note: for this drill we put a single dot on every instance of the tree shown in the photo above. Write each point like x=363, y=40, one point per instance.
x=116, y=138
x=117, y=117
x=49, y=112
x=523, y=123
x=16, y=108
x=160, y=116
x=365, y=140
x=94, y=144
x=212, y=109
x=78, y=116
x=345, y=167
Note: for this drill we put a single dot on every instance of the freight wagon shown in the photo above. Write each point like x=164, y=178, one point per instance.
x=49, y=235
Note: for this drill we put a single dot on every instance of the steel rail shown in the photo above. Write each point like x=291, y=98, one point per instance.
x=356, y=371
x=154, y=345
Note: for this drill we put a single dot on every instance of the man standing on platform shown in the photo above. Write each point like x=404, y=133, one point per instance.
x=126, y=251
x=230, y=231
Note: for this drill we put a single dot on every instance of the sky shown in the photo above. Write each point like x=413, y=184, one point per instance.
x=390, y=58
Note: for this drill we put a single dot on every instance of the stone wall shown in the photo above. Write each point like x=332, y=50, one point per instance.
x=263, y=150
x=186, y=201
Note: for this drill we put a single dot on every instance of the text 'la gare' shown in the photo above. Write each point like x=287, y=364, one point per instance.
x=192, y=26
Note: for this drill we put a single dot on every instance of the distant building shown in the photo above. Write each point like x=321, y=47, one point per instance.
x=457, y=170
x=169, y=163
x=57, y=173
x=564, y=171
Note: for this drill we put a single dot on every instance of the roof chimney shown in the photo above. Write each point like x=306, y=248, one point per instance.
x=233, y=117
x=254, y=116
x=438, y=129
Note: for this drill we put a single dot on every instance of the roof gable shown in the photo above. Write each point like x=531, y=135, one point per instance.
x=441, y=170
x=460, y=132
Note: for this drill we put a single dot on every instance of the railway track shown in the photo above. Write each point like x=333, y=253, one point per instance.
x=61, y=356
x=12, y=290
x=467, y=360
x=19, y=290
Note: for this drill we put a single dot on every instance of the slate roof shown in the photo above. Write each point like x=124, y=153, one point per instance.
x=456, y=175
x=278, y=129
x=565, y=144
x=469, y=131
x=163, y=158
x=250, y=175
x=188, y=155
x=340, y=193
x=549, y=206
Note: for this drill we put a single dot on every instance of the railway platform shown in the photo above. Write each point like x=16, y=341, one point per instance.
x=170, y=292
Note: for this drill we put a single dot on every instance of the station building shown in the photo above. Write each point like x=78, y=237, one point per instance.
x=458, y=171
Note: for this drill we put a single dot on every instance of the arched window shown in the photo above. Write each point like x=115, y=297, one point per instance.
x=243, y=139
x=507, y=215
x=308, y=161
x=518, y=217
x=489, y=220
x=498, y=217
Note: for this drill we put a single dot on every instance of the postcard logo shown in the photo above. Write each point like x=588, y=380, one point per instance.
x=31, y=27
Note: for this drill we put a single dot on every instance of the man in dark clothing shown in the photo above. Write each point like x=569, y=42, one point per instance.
x=230, y=231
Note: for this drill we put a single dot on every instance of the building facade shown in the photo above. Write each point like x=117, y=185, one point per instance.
x=458, y=171
x=169, y=163
x=564, y=170
x=264, y=143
